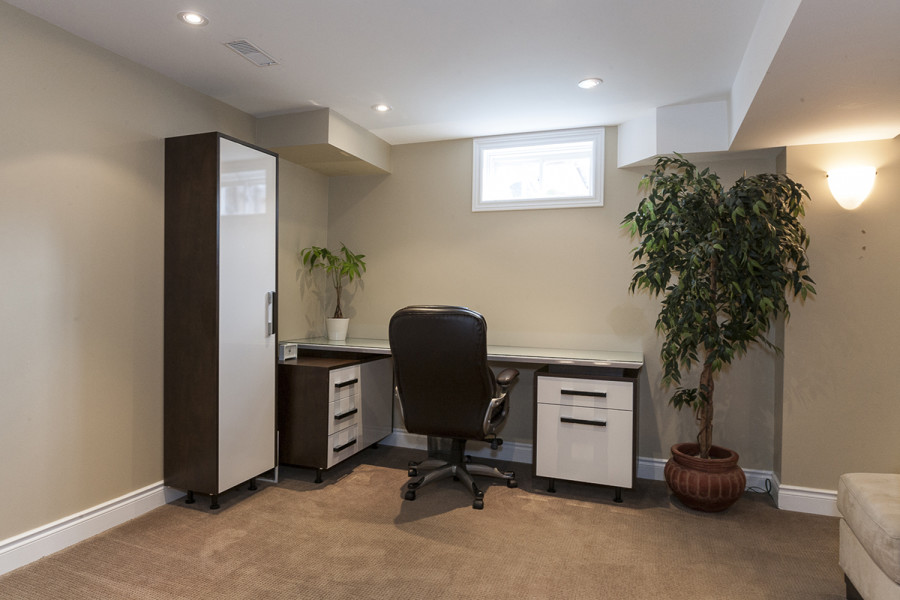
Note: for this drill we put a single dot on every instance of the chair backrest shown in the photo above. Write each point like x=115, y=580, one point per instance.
x=440, y=370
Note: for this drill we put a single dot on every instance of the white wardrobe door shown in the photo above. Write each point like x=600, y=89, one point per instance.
x=247, y=229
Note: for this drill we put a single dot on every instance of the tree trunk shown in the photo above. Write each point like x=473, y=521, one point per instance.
x=338, y=313
x=704, y=411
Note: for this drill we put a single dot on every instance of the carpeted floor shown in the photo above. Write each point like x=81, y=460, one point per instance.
x=354, y=536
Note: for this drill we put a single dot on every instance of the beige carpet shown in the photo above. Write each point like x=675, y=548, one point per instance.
x=354, y=536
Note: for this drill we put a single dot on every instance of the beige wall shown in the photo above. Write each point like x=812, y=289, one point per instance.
x=555, y=278
x=841, y=410
x=302, y=221
x=81, y=240
x=81, y=266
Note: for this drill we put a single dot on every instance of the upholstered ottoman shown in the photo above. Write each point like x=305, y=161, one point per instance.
x=869, y=504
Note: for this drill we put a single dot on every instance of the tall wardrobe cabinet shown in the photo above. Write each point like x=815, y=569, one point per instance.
x=220, y=343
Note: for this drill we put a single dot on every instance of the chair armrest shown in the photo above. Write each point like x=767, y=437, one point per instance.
x=507, y=377
x=499, y=406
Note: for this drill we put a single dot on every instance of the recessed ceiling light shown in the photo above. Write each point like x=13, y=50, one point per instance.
x=192, y=18
x=592, y=82
x=381, y=108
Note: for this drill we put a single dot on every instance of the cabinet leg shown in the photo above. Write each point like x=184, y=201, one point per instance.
x=618, y=497
x=252, y=484
x=214, y=502
x=190, y=497
x=551, y=487
x=318, y=476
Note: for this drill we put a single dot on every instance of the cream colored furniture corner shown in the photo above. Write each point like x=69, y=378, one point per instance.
x=869, y=504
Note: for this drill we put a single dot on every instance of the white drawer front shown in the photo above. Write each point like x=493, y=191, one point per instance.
x=343, y=444
x=597, y=393
x=343, y=413
x=343, y=383
x=592, y=445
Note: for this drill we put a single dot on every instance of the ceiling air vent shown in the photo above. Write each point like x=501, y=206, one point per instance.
x=252, y=53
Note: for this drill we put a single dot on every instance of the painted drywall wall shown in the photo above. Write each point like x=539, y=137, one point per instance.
x=554, y=278
x=840, y=407
x=81, y=261
x=302, y=222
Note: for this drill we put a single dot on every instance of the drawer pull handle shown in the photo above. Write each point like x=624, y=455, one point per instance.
x=345, y=383
x=344, y=446
x=349, y=413
x=581, y=393
x=582, y=421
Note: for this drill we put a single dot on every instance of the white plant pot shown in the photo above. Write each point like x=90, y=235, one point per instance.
x=337, y=328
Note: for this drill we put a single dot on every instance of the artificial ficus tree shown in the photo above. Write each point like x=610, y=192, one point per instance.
x=724, y=262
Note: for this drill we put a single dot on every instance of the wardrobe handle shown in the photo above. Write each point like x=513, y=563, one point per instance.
x=582, y=421
x=349, y=413
x=581, y=393
x=270, y=313
x=344, y=446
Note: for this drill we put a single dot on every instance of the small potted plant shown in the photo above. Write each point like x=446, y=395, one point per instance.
x=723, y=262
x=339, y=266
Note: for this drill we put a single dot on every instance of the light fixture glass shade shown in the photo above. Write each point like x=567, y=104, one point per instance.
x=850, y=186
x=193, y=18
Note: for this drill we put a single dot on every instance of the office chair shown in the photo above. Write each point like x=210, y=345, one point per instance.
x=446, y=389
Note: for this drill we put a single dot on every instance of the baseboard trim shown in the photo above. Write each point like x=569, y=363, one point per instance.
x=509, y=451
x=653, y=468
x=27, y=547
x=807, y=500
x=787, y=497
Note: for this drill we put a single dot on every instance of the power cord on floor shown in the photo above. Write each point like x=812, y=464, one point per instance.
x=768, y=489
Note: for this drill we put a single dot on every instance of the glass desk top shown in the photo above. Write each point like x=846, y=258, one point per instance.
x=555, y=356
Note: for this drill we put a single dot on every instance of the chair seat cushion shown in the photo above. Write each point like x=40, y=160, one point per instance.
x=870, y=504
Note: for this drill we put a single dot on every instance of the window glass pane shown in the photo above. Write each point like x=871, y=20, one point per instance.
x=548, y=170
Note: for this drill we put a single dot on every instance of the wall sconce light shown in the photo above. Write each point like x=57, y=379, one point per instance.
x=850, y=186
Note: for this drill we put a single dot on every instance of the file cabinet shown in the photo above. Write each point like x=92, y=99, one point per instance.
x=331, y=408
x=585, y=427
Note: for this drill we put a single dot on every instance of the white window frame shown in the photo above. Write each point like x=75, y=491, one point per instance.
x=498, y=143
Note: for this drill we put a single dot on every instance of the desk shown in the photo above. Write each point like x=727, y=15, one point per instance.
x=585, y=406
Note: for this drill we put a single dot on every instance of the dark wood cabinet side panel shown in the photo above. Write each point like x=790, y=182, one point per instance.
x=303, y=415
x=191, y=313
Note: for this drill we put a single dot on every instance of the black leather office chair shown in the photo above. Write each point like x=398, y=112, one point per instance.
x=446, y=389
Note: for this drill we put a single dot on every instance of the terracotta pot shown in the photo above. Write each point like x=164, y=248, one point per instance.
x=708, y=484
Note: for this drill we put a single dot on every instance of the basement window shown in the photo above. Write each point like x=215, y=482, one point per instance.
x=554, y=169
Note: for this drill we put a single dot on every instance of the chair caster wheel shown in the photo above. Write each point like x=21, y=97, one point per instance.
x=410, y=495
x=412, y=472
x=512, y=483
x=478, y=504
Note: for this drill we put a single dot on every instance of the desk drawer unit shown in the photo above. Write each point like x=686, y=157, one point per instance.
x=584, y=430
x=322, y=408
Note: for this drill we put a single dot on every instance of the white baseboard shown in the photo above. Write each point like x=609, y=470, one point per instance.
x=26, y=547
x=652, y=468
x=807, y=500
x=509, y=451
x=787, y=497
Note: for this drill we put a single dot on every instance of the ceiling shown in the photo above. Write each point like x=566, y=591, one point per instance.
x=829, y=71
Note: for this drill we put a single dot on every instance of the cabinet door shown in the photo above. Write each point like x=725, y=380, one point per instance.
x=247, y=253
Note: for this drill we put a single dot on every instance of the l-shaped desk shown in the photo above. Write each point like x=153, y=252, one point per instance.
x=585, y=409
